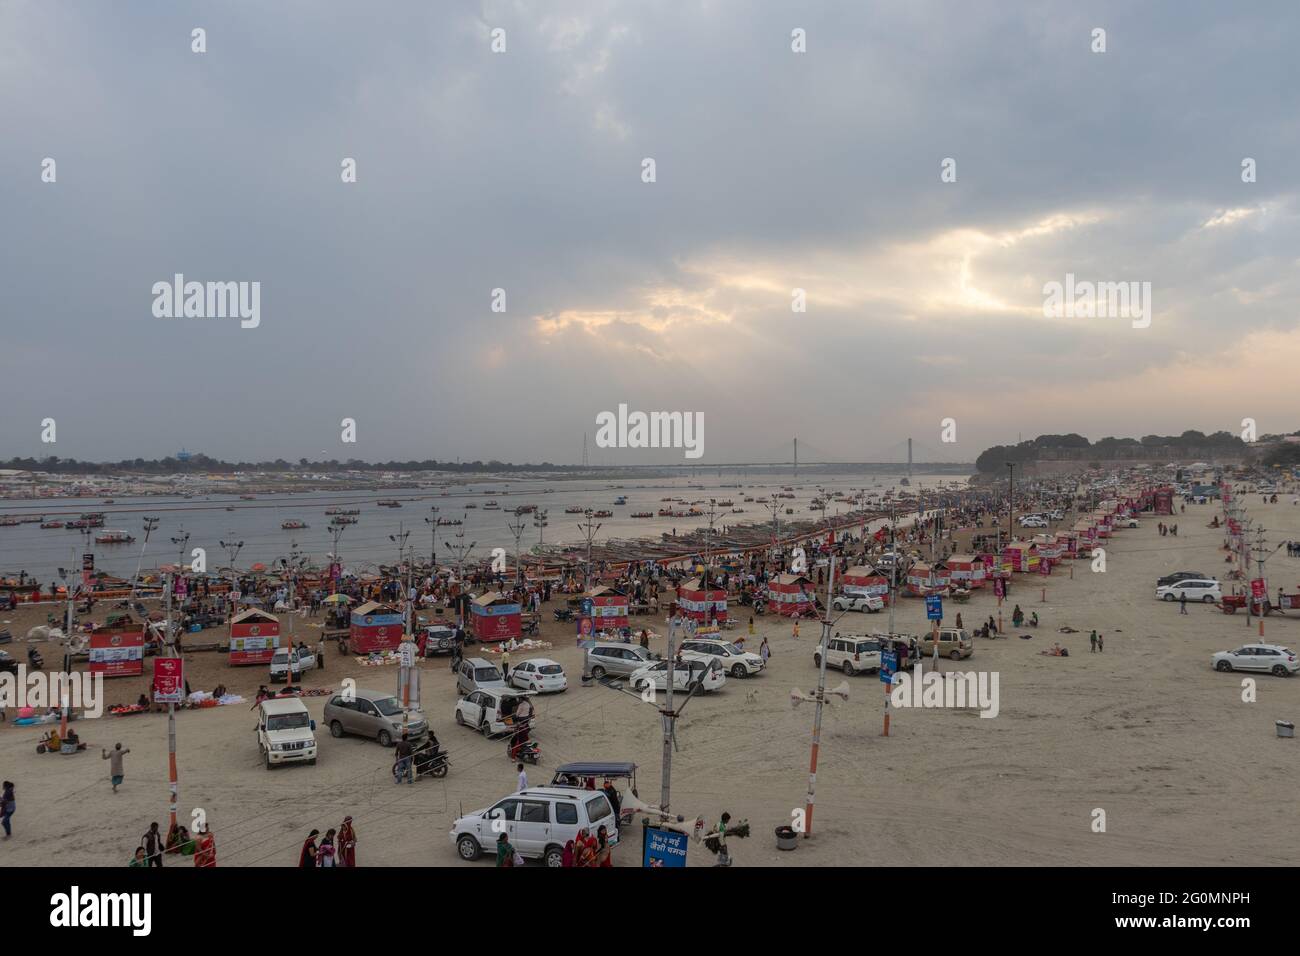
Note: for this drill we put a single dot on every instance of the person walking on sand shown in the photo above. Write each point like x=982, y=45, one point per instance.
x=1101, y=644
x=505, y=665
x=1182, y=603
x=325, y=855
x=1092, y=641
x=116, y=771
x=7, y=807
x=796, y=628
x=764, y=651
x=523, y=776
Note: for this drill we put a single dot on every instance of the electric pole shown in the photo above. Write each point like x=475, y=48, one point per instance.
x=149, y=525
x=232, y=549
x=400, y=540
x=517, y=529
x=432, y=522
x=180, y=541
x=539, y=522
x=821, y=700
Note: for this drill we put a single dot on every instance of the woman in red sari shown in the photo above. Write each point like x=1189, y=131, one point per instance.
x=347, y=843
x=206, y=853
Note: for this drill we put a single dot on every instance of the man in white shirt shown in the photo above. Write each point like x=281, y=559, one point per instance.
x=523, y=777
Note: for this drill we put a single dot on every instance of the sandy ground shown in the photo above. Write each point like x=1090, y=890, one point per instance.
x=1186, y=772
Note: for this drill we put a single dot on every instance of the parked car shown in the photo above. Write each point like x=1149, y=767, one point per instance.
x=1272, y=658
x=693, y=669
x=1129, y=522
x=1196, y=589
x=540, y=674
x=374, y=714
x=486, y=710
x=618, y=660
x=285, y=732
x=285, y=659
x=954, y=644
x=1180, y=576
x=438, y=639
x=852, y=655
x=736, y=662
x=538, y=822
x=1056, y=515
x=868, y=603
x=1033, y=521
x=475, y=673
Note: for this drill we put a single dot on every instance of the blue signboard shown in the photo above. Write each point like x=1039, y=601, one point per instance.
x=933, y=607
x=888, y=665
x=663, y=848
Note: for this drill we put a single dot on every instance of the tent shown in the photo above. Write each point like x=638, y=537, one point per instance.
x=494, y=617
x=609, y=608
x=966, y=570
x=1022, y=556
x=790, y=595
x=254, y=636
x=864, y=581
x=117, y=648
x=375, y=627
x=696, y=601
x=924, y=578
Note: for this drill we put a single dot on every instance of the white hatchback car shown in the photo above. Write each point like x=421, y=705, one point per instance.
x=537, y=822
x=1272, y=658
x=1196, y=589
x=1033, y=521
x=540, y=674
x=693, y=669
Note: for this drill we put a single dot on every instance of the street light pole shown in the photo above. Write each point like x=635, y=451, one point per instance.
x=149, y=525
x=173, y=778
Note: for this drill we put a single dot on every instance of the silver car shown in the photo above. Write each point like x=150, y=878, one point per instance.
x=374, y=714
x=618, y=660
x=476, y=673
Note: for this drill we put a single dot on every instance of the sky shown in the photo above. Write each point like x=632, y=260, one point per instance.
x=523, y=170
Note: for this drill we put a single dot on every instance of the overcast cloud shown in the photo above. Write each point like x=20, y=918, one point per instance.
x=522, y=170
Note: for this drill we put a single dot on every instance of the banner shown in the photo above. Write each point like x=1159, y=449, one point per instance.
x=168, y=680
x=663, y=848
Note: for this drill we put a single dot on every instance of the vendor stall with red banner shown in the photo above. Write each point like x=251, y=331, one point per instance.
x=254, y=636
x=117, y=647
x=790, y=595
x=494, y=617
x=700, y=603
x=375, y=627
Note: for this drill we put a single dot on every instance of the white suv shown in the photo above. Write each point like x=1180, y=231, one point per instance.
x=537, y=822
x=734, y=661
x=619, y=660
x=1196, y=589
x=1272, y=658
x=852, y=655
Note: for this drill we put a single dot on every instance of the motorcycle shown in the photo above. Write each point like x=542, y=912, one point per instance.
x=430, y=760
x=532, y=627
x=34, y=658
x=563, y=615
x=522, y=747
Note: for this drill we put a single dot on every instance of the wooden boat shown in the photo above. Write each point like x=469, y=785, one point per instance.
x=574, y=511
x=390, y=503
x=52, y=524
x=342, y=519
x=643, y=514
x=602, y=514
x=292, y=525
x=343, y=511
x=247, y=497
x=114, y=537
x=449, y=521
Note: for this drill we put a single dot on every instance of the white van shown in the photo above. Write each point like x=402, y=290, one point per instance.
x=285, y=731
x=537, y=822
